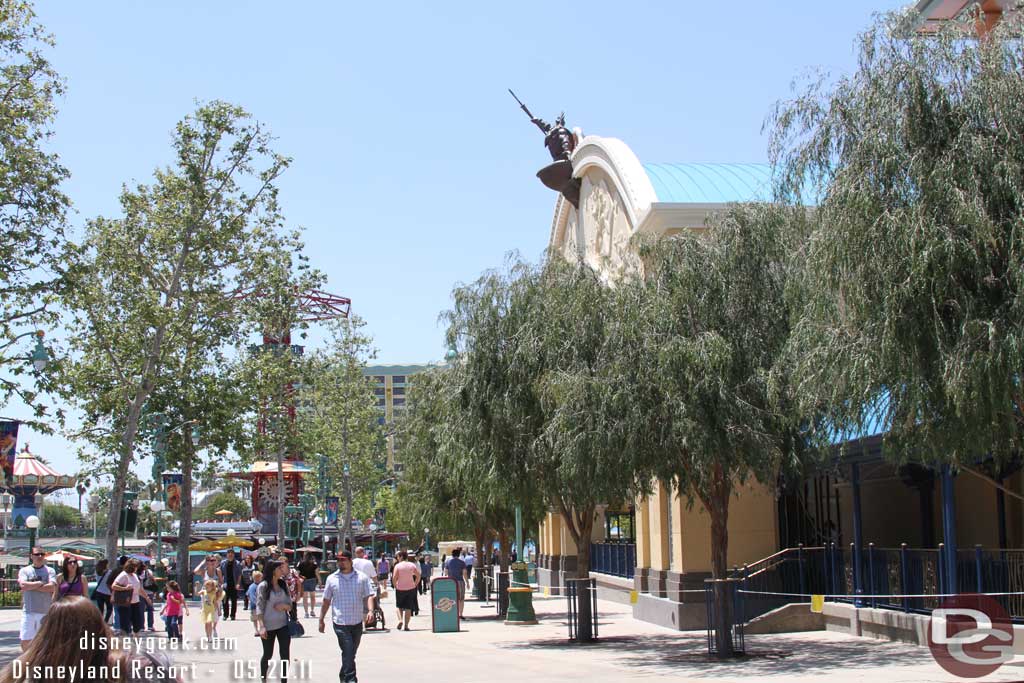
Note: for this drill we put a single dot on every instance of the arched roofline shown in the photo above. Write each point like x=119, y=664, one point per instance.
x=622, y=167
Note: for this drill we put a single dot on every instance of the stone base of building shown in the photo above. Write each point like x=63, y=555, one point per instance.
x=553, y=570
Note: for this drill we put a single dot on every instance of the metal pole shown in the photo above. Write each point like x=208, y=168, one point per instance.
x=949, y=529
x=519, y=533
x=858, y=533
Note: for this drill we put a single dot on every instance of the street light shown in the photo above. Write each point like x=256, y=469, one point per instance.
x=32, y=523
x=426, y=539
x=158, y=506
x=319, y=521
x=373, y=538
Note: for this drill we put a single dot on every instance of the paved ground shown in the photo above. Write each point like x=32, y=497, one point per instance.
x=489, y=651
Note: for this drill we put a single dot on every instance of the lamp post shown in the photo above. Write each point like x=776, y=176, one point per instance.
x=158, y=506
x=373, y=538
x=32, y=523
x=128, y=500
x=426, y=539
x=318, y=521
x=39, y=355
x=81, y=487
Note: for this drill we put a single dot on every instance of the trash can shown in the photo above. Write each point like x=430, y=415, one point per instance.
x=444, y=605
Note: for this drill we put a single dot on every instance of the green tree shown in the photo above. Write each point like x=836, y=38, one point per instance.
x=32, y=205
x=58, y=514
x=703, y=349
x=338, y=416
x=226, y=501
x=179, y=259
x=542, y=409
x=911, y=321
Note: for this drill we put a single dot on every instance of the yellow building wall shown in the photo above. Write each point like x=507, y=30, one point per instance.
x=890, y=510
x=642, y=519
x=753, y=530
x=658, y=513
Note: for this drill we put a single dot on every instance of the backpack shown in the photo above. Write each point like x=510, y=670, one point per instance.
x=149, y=582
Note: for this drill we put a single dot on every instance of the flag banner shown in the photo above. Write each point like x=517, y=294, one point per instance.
x=173, y=482
x=8, y=447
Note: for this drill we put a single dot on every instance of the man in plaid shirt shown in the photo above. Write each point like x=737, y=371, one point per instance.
x=349, y=595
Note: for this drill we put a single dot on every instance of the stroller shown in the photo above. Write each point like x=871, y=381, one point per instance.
x=377, y=618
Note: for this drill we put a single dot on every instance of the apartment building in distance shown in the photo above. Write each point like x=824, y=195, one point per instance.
x=390, y=384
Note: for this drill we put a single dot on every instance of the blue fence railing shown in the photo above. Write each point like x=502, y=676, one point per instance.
x=617, y=559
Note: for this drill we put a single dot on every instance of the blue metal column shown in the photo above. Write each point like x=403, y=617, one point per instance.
x=949, y=529
x=858, y=532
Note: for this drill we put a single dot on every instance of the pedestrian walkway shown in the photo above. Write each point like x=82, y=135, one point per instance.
x=488, y=651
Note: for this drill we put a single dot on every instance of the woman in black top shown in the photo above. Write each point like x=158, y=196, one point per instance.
x=307, y=570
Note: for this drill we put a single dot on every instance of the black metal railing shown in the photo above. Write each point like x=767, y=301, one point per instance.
x=890, y=578
x=733, y=604
x=577, y=590
x=617, y=559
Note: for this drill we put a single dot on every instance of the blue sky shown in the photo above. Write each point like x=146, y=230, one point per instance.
x=413, y=167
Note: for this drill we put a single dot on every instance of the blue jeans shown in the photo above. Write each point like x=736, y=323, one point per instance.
x=172, y=627
x=348, y=641
x=147, y=607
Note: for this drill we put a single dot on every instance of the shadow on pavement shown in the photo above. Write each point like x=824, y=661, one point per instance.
x=10, y=645
x=766, y=655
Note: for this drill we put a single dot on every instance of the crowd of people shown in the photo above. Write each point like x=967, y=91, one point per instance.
x=126, y=593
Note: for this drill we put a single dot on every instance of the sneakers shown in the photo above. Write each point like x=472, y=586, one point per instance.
x=399, y=627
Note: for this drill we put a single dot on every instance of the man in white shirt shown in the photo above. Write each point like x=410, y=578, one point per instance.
x=364, y=566
x=38, y=582
x=348, y=596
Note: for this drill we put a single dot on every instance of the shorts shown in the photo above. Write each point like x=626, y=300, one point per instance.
x=460, y=590
x=407, y=600
x=30, y=622
x=309, y=585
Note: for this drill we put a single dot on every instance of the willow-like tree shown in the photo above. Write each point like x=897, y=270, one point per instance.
x=180, y=254
x=535, y=346
x=32, y=204
x=704, y=352
x=915, y=269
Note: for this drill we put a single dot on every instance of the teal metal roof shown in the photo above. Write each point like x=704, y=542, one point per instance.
x=710, y=183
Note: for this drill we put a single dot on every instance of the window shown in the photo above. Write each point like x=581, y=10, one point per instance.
x=380, y=402
x=398, y=468
x=398, y=402
x=379, y=379
x=379, y=391
x=398, y=379
x=399, y=391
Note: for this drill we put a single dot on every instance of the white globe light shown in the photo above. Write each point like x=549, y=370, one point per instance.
x=318, y=520
x=32, y=522
x=262, y=540
x=157, y=506
x=165, y=562
x=426, y=531
x=373, y=527
x=230, y=532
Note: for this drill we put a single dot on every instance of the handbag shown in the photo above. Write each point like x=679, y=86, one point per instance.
x=296, y=629
x=122, y=598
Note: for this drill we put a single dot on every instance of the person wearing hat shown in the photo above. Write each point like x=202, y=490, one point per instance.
x=349, y=596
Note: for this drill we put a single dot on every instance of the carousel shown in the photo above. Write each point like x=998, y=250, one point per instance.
x=32, y=478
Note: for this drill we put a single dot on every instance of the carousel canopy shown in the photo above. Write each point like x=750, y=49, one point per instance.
x=31, y=475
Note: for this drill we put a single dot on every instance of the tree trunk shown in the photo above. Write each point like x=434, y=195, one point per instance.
x=503, y=550
x=280, y=499
x=581, y=524
x=121, y=475
x=184, y=568
x=478, y=532
x=585, y=613
x=719, y=512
